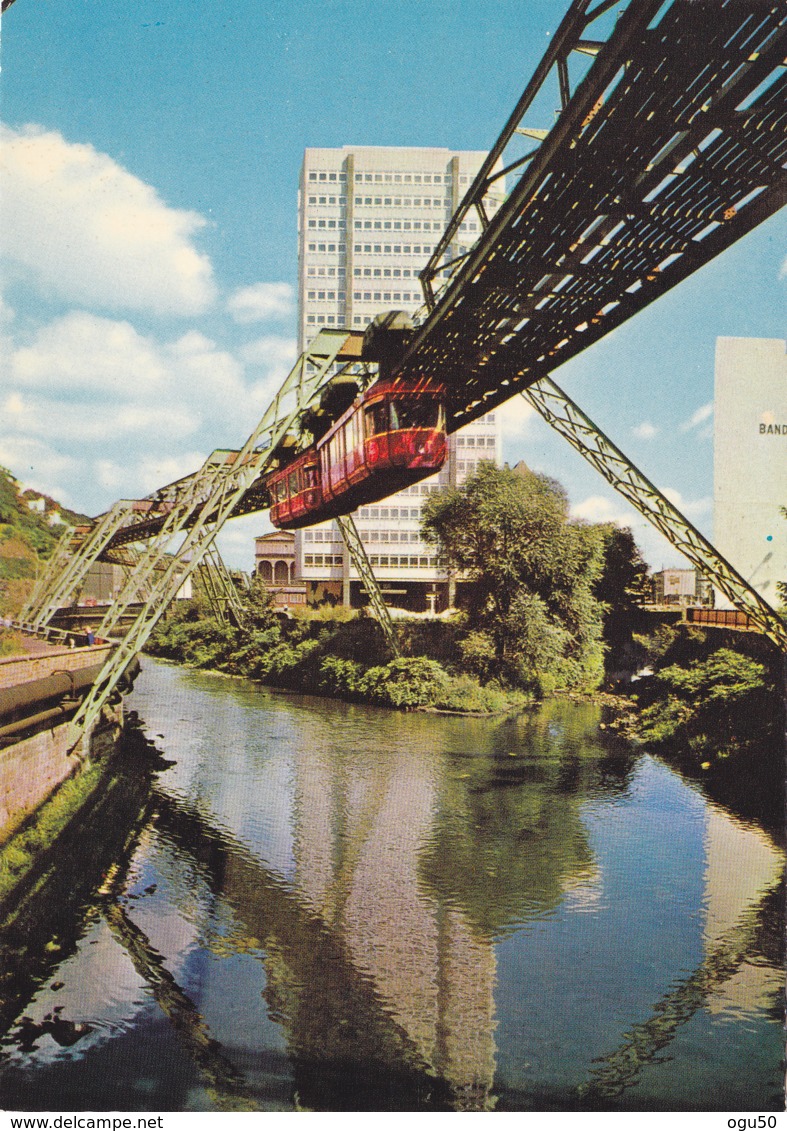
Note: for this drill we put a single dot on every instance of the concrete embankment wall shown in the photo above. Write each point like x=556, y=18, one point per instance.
x=22, y=669
x=33, y=767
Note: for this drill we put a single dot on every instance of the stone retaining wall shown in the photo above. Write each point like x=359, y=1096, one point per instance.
x=36, y=665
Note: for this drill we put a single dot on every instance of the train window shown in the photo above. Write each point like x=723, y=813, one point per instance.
x=310, y=476
x=376, y=418
x=416, y=413
x=292, y=482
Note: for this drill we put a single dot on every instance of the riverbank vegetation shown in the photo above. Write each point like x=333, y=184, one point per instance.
x=714, y=706
x=324, y=653
x=540, y=594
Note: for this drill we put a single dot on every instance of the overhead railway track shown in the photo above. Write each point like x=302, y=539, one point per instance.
x=671, y=148
x=668, y=145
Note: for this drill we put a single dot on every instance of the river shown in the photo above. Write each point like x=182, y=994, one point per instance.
x=325, y=906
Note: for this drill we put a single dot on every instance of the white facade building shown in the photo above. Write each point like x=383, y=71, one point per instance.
x=750, y=460
x=369, y=219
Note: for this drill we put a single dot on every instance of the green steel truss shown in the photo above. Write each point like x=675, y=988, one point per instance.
x=220, y=588
x=360, y=560
x=198, y=510
x=60, y=558
x=70, y=563
x=570, y=421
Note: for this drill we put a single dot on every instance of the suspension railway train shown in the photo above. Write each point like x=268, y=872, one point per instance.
x=392, y=435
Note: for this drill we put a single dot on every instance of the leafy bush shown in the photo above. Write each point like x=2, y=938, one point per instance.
x=417, y=682
x=339, y=677
x=717, y=704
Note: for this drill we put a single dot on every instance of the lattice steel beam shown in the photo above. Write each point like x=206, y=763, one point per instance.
x=61, y=555
x=670, y=148
x=360, y=560
x=220, y=589
x=63, y=580
x=201, y=506
x=567, y=418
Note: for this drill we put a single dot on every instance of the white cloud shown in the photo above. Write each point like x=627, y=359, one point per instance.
x=86, y=229
x=699, y=417
x=598, y=508
x=93, y=378
x=514, y=416
x=147, y=474
x=645, y=430
x=691, y=508
x=37, y=465
x=81, y=351
x=128, y=410
x=261, y=302
x=270, y=352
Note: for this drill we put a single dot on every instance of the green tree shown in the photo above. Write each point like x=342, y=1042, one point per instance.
x=622, y=587
x=533, y=571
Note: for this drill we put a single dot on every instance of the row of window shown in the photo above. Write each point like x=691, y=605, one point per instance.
x=339, y=224
x=393, y=249
x=389, y=512
x=400, y=561
x=321, y=536
x=388, y=225
x=401, y=201
x=317, y=177
x=325, y=296
x=391, y=536
x=385, y=273
x=475, y=441
x=366, y=535
x=375, y=248
x=327, y=176
x=396, y=296
x=404, y=561
x=327, y=320
x=325, y=272
x=340, y=200
x=467, y=467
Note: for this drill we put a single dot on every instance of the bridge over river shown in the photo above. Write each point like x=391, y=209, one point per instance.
x=668, y=145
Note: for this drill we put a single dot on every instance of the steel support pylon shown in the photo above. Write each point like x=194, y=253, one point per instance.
x=68, y=572
x=220, y=589
x=203, y=504
x=360, y=560
x=567, y=418
x=61, y=555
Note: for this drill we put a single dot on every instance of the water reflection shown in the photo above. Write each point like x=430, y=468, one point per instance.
x=331, y=907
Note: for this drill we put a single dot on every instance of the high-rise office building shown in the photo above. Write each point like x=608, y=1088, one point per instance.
x=369, y=220
x=750, y=460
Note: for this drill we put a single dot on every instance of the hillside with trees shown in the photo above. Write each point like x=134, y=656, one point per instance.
x=30, y=525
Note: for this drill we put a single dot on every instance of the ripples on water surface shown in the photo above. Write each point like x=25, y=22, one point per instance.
x=329, y=906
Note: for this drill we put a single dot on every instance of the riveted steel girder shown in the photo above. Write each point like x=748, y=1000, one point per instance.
x=567, y=418
x=360, y=560
x=671, y=147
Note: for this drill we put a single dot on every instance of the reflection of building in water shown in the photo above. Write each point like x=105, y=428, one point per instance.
x=358, y=844
x=742, y=866
x=417, y=864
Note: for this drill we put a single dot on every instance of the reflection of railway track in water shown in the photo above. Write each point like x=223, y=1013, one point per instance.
x=620, y=1069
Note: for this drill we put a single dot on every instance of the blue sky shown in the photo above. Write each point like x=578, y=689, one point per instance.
x=149, y=198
